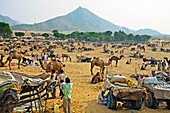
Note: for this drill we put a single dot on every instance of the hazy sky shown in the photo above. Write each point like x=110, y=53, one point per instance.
x=134, y=14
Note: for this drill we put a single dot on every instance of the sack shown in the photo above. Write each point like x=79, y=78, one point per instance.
x=118, y=78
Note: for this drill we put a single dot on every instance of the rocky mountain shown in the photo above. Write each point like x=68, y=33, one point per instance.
x=8, y=20
x=80, y=20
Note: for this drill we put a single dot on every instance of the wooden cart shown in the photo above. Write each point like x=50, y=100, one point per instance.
x=131, y=97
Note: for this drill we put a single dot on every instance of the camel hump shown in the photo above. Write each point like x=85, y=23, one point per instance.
x=121, y=55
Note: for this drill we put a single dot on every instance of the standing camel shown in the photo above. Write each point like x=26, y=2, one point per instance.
x=66, y=56
x=53, y=65
x=115, y=58
x=14, y=55
x=100, y=63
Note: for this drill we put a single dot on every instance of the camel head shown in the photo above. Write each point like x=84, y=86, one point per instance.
x=121, y=56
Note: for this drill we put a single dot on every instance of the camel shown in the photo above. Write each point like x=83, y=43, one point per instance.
x=66, y=56
x=14, y=55
x=143, y=67
x=115, y=58
x=57, y=66
x=142, y=47
x=100, y=63
x=97, y=78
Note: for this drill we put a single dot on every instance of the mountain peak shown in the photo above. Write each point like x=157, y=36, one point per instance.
x=80, y=10
x=81, y=19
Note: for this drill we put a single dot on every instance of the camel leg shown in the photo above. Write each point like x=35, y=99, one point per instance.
x=116, y=62
x=9, y=64
x=63, y=59
x=91, y=69
x=19, y=63
x=1, y=58
x=103, y=70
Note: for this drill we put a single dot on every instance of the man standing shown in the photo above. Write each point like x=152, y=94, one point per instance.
x=67, y=95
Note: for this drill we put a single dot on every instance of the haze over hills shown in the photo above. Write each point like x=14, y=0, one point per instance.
x=8, y=20
x=81, y=20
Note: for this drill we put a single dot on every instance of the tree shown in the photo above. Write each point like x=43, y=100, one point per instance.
x=19, y=34
x=55, y=33
x=33, y=34
x=62, y=36
x=120, y=36
x=130, y=37
x=5, y=30
x=146, y=37
x=138, y=38
x=45, y=35
x=108, y=33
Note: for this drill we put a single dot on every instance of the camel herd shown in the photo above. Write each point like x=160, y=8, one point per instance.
x=100, y=63
x=91, y=58
x=14, y=50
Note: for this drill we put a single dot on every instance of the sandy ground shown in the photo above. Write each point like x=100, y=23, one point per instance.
x=84, y=94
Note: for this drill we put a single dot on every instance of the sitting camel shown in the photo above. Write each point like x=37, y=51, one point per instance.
x=100, y=63
x=57, y=66
x=115, y=58
x=14, y=55
x=99, y=77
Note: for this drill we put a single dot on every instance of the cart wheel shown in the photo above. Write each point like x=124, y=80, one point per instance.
x=111, y=101
x=10, y=97
x=136, y=104
x=151, y=102
x=168, y=105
